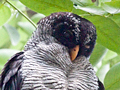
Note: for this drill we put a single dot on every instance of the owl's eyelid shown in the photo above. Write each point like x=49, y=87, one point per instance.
x=69, y=31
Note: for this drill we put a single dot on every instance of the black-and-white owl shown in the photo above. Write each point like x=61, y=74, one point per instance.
x=55, y=58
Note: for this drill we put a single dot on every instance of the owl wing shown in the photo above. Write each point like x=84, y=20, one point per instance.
x=10, y=78
x=101, y=86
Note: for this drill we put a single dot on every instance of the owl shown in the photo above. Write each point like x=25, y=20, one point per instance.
x=56, y=57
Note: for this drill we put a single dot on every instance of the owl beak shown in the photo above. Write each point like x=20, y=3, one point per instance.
x=74, y=52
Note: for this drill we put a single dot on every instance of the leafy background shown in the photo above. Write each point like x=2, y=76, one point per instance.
x=18, y=20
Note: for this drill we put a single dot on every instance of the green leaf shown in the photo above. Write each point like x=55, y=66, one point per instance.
x=79, y=12
x=114, y=3
x=92, y=9
x=27, y=27
x=98, y=54
x=13, y=34
x=5, y=14
x=110, y=55
x=112, y=7
x=19, y=5
x=49, y=6
x=105, y=0
x=112, y=78
x=115, y=60
x=108, y=32
x=24, y=38
x=82, y=2
x=4, y=38
x=109, y=9
x=35, y=18
x=5, y=54
x=15, y=18
x=116, y=18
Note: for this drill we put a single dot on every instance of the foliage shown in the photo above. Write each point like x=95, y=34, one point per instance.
x=16, y=28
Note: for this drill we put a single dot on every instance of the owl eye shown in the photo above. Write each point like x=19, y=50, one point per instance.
x=68, y=34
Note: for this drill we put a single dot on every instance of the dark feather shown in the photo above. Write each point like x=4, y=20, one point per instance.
x=10, y=76
x=101, y=86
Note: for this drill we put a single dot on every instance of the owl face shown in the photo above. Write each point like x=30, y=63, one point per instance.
x=74, y=32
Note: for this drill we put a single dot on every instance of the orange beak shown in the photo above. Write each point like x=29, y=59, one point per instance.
x=74, y=52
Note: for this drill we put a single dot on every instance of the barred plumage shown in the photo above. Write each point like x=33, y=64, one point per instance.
x=45, y=63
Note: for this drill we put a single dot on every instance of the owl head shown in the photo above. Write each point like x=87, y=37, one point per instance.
x=77, y=34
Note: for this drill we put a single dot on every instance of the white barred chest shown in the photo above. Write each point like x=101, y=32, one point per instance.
x=41, y=76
